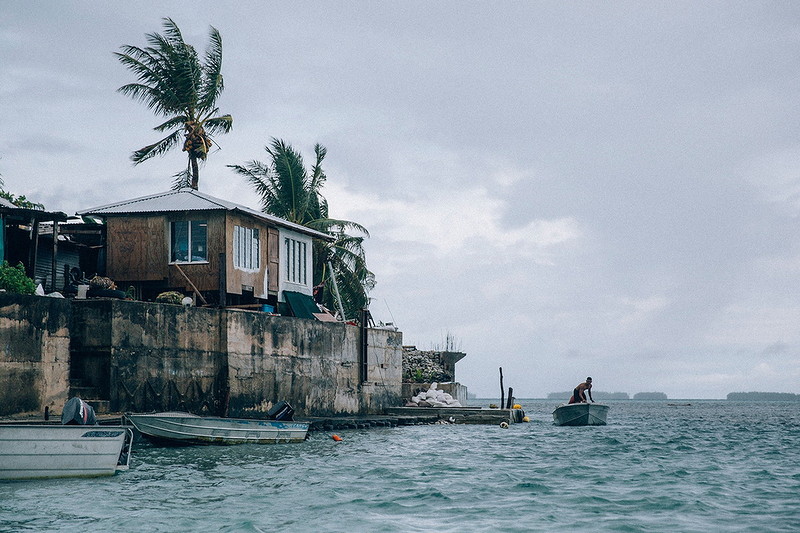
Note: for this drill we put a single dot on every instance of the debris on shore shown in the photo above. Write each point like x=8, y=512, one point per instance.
x=433, y=398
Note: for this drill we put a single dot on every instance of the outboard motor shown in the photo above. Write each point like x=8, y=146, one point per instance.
x=281, y=411
x=78, y=413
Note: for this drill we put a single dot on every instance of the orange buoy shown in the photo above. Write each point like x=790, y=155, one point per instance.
x=337, y=438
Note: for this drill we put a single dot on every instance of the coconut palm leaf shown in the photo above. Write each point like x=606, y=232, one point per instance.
x=158, y=148
x=216, y=125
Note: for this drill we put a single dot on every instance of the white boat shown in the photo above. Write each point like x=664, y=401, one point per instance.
x=186, y=428
x=30, y=451
x=581, y=414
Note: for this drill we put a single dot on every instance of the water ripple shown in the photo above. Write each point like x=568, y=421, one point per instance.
x=711, y=466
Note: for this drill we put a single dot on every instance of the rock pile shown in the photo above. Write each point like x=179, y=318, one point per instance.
x=433, y=398
x=423, y=367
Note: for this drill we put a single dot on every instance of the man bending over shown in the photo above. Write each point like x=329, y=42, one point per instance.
x=579, y=394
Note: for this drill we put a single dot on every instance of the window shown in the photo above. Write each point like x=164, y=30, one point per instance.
x=188, y=241
x=295, y=261
x=245, y=248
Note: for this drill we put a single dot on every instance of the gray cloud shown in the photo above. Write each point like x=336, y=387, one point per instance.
x=568, y=189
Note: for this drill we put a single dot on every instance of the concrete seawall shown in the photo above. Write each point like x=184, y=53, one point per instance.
x=140, y=356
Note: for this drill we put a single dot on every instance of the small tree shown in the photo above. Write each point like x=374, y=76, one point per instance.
x=14, y=280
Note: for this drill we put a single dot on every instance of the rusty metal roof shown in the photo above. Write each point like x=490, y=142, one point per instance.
x=191, y=200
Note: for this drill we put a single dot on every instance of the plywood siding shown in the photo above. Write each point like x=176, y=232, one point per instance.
x=137, y=248
x=238, y=278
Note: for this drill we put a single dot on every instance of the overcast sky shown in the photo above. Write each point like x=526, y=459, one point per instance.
x=566, y=188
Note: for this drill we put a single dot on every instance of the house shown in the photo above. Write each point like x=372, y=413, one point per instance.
x=220, y=252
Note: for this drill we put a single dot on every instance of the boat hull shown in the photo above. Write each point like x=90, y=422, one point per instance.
x=29, y=451
x=581, y=414
x=185, y=428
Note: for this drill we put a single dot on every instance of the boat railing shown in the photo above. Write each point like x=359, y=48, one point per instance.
x=124, y=461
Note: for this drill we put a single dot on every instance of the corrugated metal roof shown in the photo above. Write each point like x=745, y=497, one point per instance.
x=190, y=200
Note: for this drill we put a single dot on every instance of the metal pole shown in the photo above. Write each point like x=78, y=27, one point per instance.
x=336, y=291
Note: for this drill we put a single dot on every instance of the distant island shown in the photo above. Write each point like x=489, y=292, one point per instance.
x=598, y=395
x=649, y=396
x=764, y=396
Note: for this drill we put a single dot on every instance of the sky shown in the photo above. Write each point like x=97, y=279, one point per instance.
x=561, y=189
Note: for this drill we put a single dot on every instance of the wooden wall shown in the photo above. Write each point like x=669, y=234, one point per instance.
x=237, y=278
x=137, y=248
x=138, y=251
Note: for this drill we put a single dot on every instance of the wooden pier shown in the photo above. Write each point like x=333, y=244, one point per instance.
x=411, y=416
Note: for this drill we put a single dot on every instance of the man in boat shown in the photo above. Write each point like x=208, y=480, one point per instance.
x=579, y=394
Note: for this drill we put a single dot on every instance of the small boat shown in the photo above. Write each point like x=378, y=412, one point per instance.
x=31, y=451
x=185, y=428
x=581, y=414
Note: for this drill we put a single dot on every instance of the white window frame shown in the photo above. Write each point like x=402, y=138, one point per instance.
x=291, y=265
x=295, y=260
x=246, y=249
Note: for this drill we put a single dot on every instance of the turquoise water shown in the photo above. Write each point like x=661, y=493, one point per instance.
x=708, y=466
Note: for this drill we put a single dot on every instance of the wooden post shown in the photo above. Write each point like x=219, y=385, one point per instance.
x=223, y=281
x=502, y=390
x=200, y=296
x=510, y=398
x=54, y=263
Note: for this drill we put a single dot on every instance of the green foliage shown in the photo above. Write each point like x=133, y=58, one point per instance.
x=21, y=201
x=291, y=192
x=175, y=83
x=170, y=297
x=14, y=280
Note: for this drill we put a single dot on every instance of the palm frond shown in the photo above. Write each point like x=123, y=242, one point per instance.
x=331, y=225
x=257, y=175
x=213, y=83
x=174, y=122
x=289, y=179
x=215, y=125
x=158, y=148
x=182, y=179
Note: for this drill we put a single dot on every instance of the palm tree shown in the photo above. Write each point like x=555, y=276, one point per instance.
x=288, y=191
x=175, y=84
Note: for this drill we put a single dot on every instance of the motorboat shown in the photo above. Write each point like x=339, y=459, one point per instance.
x=176, y=427
x=581, y=414
x=30, y=451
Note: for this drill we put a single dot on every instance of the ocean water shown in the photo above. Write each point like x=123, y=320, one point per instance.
x=707, y=466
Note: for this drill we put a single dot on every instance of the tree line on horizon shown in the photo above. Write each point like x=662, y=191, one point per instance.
x=764, y=396
x=600, y=395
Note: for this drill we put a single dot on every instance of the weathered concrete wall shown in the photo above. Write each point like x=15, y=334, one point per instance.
x=236, y=362
x=34, y=353
x=154, y=356
x=146, y=357
x=312, y=365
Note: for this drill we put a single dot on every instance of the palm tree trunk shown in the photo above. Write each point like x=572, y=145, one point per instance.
x=195, y=171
